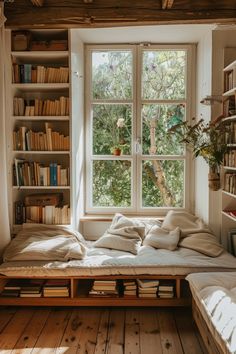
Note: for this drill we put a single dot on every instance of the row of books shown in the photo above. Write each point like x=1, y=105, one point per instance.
x=40, y=107
x=231, y=213
x=230, y=183
x=142, y=288
x=28, y=73
x=229, y=82
x=30, y=173
x=48, y=214
x=230, y=158
x=229, y=106
x=36, y=288
x=25, y=139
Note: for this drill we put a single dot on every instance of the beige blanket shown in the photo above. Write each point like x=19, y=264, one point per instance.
x=42, y=242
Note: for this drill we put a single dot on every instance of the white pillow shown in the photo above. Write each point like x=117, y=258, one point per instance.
x=160, y=238
x=187, y=222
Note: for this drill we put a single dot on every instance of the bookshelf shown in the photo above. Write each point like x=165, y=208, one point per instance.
x=79, y=287
x=39, y=124
x=228, y=219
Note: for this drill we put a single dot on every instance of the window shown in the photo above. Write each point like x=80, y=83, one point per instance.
x=134, y=94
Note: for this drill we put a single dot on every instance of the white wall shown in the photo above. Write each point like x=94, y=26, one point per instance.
x=204, y=68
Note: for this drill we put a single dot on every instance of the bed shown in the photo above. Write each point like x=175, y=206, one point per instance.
x=129, y=249
x=214, y=309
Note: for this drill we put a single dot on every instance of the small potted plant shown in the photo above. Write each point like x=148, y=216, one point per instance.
x=116, y=150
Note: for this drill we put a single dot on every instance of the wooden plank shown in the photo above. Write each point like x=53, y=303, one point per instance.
x=14, y=329
x=51, y=335
x=102, y=333
x=5, y=316
x=150, y=340
x=132, y=328
x=115, y=338
x=29, y=337
x=187, y=331
x=207, y=336
x=73, y=13
x=81, y=332
x=169, y=337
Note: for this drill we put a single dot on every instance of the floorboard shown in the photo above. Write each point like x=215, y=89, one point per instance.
x=99, y=331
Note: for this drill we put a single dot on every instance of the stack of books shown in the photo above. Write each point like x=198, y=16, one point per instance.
x=147, y=287
x=104, y=288
x=31, y=288
x=23, y=288
x=130, y=288
x=166, y=290
x=56, y=288
x=11, y=288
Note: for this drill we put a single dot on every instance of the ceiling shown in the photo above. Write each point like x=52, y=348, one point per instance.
x=116, y=13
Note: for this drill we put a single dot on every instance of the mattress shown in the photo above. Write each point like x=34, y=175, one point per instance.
x=101, y=261
x=215, y=297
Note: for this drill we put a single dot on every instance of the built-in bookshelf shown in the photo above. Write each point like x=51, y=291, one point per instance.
x=95, y=291
x=228, y=221
x=40, y=124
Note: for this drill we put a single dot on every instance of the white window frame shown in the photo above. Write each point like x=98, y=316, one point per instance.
x=137, y=157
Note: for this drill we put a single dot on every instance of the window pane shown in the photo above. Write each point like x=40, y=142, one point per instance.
x=163, y=74
x=156, y=120
x=162, y=183
x=112, y=128
x=111, y=183
x=112, y=74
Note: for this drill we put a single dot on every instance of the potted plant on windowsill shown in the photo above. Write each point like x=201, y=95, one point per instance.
x=207, y=140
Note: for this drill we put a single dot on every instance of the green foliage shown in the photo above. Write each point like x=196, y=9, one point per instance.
x=204, y=139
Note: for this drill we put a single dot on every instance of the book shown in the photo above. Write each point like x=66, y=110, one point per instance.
x=10, y=293
x=145, y=283
x=148, y=295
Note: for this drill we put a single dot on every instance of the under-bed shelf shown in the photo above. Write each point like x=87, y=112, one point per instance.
x=81, y=298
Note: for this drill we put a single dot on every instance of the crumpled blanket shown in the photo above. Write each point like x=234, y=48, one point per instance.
x=44, y=242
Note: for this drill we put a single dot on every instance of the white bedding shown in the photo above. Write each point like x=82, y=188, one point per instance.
x=101, y=261
x=215, y=296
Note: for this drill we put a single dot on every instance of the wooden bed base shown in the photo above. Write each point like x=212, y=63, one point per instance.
x=79, y=288
x=211, y=345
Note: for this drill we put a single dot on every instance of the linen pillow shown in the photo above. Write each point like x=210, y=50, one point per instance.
x=127, y=238
x=187, y=223
x=205, y=243
x=160, y=238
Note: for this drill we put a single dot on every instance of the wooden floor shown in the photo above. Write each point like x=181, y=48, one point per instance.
x=99, y=331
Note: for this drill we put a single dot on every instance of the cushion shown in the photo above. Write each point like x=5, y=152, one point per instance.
x=124, y=234
x=160, y=238
x=187, y=223
x=205, y=243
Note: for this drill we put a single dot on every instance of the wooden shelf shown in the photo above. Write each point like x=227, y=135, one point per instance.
x=41, y=87
x=230, y=67
x=39, y=118
x=75, y=300
x=229, y=168
x=229, y=119
x=230, y=92
x=40, y=56
x=229, y=194
x=40, y=187
x=60, y=152
x=228, y=216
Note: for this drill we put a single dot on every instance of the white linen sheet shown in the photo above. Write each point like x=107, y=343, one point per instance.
x=215, y=296
x=102, y=261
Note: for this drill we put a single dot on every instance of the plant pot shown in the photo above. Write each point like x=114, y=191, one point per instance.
x=214, y=181
x=117, y=152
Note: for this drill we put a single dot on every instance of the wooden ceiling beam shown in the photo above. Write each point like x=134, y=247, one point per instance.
x=37, y=3
x=167, y=4
x=103, y=13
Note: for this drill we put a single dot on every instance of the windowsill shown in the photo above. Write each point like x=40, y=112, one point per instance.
x=108, y=218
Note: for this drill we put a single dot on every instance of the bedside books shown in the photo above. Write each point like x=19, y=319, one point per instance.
x=130, y=288
x=166, y=290
x=147, y=288
x=56, y=288
x=104, y=288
